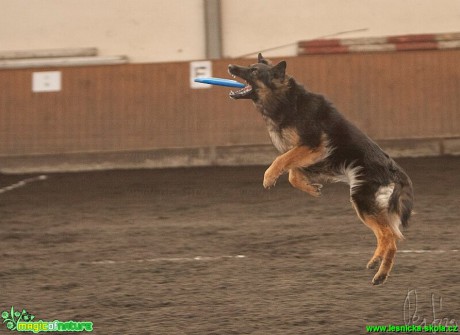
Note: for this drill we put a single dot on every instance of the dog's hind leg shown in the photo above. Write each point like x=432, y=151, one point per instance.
x=386, y=246
x=386, y=243
x=378, y=254
x=299, y=180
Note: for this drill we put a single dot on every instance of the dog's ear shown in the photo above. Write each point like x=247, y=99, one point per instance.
x=279, y=70
x=262, y=59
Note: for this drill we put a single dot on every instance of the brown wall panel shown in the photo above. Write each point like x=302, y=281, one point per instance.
x=149, y=106
x=391, y=95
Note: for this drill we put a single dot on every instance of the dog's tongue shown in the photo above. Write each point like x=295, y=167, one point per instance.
x=245, y=89
x=242, y=91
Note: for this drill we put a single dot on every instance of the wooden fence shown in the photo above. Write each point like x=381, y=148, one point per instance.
x=403, y=95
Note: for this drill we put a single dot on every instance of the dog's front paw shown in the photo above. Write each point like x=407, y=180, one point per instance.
x=270, y=179
x=314, y=189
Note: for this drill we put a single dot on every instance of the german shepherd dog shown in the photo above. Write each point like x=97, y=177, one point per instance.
x=317, y=144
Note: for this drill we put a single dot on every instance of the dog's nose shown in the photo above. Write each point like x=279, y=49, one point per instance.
x=231, y=69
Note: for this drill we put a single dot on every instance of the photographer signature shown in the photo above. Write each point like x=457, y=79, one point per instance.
x=411, y=314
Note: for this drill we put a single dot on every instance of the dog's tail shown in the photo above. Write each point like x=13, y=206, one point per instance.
x=402, y=200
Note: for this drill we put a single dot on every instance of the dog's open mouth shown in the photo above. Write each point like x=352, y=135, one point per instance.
x=242, y=93
x=247, y=91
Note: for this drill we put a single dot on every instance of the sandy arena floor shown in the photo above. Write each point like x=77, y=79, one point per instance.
x=209, y=251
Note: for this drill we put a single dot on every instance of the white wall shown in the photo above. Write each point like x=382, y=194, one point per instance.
x=252, y=25
x=145, y=30
x=173, y=30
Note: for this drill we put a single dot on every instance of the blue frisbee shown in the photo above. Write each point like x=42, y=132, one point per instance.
x=220, y=82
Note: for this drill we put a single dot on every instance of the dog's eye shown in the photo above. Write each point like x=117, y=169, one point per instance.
x=253, y=70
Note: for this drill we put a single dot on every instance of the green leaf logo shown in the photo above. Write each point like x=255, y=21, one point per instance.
x=12, y=318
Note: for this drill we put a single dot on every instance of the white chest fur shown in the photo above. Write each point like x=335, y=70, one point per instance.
x=278, y=141
x=283, y=139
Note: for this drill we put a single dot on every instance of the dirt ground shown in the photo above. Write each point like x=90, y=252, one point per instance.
x=209, y=251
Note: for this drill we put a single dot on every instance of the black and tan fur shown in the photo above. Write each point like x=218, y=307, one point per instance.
x=317, y=144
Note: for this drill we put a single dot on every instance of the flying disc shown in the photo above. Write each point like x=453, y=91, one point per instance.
x=219, y=82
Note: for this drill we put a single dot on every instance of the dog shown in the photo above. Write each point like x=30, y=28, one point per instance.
x=317, y=144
